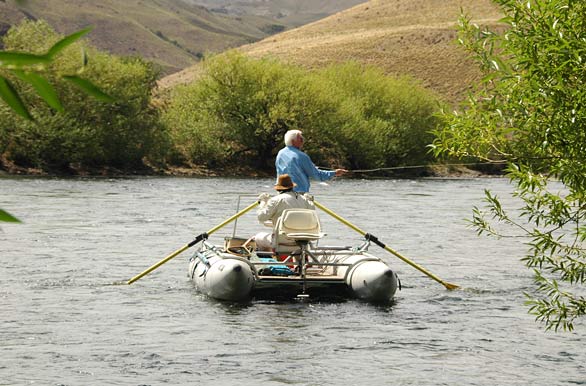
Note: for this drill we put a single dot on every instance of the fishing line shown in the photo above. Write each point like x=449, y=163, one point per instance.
x=418, y=166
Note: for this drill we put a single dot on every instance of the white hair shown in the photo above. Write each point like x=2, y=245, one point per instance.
x=290, y=136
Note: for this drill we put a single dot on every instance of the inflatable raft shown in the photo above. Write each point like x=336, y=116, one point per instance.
x=297, y=267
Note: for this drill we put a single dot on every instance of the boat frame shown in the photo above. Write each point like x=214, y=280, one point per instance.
x=316, y=271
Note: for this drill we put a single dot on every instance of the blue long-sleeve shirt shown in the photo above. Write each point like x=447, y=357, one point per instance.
x=290, y=160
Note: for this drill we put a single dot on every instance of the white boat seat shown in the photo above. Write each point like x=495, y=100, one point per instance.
x=295, y=225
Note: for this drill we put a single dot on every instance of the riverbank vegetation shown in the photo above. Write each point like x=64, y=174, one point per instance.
x=88, y=133
x=531, y=111
x=356, y=117
x=233, y=117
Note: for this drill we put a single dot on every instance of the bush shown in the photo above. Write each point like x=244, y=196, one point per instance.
x=385, y=121
x=240, y=108
x=89, y=133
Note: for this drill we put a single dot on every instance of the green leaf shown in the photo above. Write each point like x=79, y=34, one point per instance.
x=66, y=41
x=7, y=217
x=11, y=97
x=89, y=88
x=84, y=57
x=43, y=88
x=21, y=59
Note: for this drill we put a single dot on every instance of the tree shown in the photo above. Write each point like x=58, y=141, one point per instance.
x=30, y=68
x=530, y=110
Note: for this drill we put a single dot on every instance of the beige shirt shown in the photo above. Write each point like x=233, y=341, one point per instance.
x=277, y=204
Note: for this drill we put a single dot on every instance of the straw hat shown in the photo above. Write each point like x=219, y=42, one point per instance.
x=284, y=182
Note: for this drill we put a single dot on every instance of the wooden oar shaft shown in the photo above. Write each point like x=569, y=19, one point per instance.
x=420, y=268
x=228, y=221
x=339, y=218
x=387, y=248
x=155, y=266
x=192, y=243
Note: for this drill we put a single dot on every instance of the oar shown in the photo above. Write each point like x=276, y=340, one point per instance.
x=380, y=244
x=199, y=238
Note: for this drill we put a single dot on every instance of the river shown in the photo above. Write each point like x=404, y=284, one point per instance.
x=66, y=319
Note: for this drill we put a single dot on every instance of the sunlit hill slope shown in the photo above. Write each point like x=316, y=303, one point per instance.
x=403, y=37
x=172, y=33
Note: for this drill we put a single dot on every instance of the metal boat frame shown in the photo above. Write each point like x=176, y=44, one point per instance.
x=315, y=269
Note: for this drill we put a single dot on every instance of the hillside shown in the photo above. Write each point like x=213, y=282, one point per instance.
x=403, y=37
x=172, y=33
x=290, y=12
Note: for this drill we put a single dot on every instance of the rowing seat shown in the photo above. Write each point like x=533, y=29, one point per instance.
x=294, y=227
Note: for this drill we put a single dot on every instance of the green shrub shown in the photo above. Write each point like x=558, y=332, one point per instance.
x=239, y=110
x=89, y=133
x=386, y=121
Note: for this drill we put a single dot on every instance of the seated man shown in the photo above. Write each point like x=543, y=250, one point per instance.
x=272, y=208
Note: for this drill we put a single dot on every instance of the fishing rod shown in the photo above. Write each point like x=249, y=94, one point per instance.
x=495, y=162
x=417, y=166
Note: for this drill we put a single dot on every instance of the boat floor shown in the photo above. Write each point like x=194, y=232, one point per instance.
x=296, y=282
x=294, y=278
x=312, y=274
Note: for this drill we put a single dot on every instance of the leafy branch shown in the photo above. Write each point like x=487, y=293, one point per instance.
x=30, y=68
x=7, y=217
x=530, y=110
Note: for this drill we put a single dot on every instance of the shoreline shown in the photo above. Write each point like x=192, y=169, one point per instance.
x=428, y=171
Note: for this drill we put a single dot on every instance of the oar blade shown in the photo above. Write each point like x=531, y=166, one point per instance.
x=385, y=247
x=450, y=286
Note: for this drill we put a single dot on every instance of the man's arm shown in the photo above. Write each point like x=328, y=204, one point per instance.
x=312, y=171
x=267, y=212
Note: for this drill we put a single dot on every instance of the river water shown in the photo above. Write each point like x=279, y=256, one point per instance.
x=66, y=320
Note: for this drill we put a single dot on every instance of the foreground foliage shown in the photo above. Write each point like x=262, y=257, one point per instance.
x=25, y=66
x=239, y=110
x=7, y=217
x=531, y=111
x=68, y=128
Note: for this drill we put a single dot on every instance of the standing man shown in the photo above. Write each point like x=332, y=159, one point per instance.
x=294, y=162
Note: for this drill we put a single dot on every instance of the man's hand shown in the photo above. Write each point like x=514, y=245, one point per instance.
x=341, y=172
x=263, y=198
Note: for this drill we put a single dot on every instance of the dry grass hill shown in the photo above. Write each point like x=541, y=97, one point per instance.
x=172, y=33
x=290, y=12
x=403, y=37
